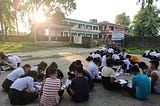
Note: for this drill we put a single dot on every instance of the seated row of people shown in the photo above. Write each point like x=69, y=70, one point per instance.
x=152, y=54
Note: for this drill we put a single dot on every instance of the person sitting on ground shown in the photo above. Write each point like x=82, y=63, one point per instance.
x=155, y=76
x=141, y=85
x=39, y=67
x=134, y=59
x=54, y=65
x=125, y=64
x=93, y=69
x=108, y=76
x=145, y=68
x=50, y=89
x=8, y=63
x=22, y=91
x=15, y=74
x=122, y=55
x=79, y=89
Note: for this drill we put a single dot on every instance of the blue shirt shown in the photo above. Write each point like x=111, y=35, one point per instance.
x=142, y=84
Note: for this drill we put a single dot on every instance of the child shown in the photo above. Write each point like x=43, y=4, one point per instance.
x=15, y=74
x=141, y=84
x=108, y=76
x=22, y=91
x=79, y=89
x=50, y=89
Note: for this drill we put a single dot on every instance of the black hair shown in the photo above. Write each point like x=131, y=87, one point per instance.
x=78, y=69
x=26, y=65
x=51, y=71
x=53, y=64
x=141, y=64
x=134, y=69
x=30, y=73
x=109, y=62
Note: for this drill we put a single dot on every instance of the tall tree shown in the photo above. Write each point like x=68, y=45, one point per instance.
x=146, y=22
x=123, y=19
x=6, y=20
x=146, y=2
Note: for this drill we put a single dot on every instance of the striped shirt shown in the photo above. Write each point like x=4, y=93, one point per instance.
x=50, y=95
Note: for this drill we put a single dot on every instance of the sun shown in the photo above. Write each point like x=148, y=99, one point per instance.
x=40, y=16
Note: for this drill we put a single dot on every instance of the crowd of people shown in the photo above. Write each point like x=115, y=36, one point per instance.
x=27, y=83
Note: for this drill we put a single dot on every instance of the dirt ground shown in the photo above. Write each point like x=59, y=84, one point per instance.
x=98, y=96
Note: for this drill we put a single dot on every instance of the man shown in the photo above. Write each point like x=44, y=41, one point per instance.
x=141, y=85
x=155, y=76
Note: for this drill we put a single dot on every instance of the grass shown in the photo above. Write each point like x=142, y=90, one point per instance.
x=9, y=47
x=136, y=50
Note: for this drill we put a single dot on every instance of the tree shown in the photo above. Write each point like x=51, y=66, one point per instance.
x=146, y=2
x=146, y=22
x=6, y=20
x=123, y=19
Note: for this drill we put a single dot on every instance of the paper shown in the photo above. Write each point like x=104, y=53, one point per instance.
x=121, y=81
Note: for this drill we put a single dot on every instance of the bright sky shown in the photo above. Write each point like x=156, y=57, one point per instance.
x=105, y=10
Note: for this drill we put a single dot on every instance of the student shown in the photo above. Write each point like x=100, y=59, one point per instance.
x=108, y=76
x=141, y=85
x=134, y=59
x=39, y=67
x=50, y=88
x=145, y=68
x=93, y=69
x=22, y=91
x=9, y=62
x=155, y=76
x=54, y=65
x=11, y=77
x=79, y=89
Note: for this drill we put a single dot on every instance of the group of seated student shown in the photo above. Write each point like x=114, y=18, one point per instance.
x=9, y=62
x=152, y=54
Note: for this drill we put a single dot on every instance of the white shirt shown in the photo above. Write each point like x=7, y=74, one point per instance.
x=157, y=55
x=97, y=55
x=13, y=61
x=103, y=62
x=22, y=83
x=110, y=50
x=152, y=53
x=34, y=68
x=16, y=74
x=127, y=62
x=115, y=57
x=93, y=70
x=123, y=54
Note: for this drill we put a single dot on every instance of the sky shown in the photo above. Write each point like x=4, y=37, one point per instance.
x=105, y=10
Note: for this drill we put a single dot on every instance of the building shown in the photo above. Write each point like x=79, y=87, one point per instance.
x=82, y=28
x=107, y=28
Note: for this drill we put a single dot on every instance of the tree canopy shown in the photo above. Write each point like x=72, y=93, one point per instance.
x=146, y=22
x=123, y=19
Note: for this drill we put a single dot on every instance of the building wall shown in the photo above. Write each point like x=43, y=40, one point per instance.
x=82, y=28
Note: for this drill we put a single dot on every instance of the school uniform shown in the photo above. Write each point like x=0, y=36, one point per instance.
x=11, y=77
x=18, y=95
x=93, y=70
x=108, y=73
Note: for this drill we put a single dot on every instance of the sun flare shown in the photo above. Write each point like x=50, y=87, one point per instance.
x=40, y=16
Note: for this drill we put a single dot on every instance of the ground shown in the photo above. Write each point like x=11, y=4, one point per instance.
x=63, y=56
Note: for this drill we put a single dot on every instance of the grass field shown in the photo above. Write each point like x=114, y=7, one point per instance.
x=9, y=47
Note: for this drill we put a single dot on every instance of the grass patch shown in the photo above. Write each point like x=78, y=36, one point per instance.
x=136, y=50
x=9, y=47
